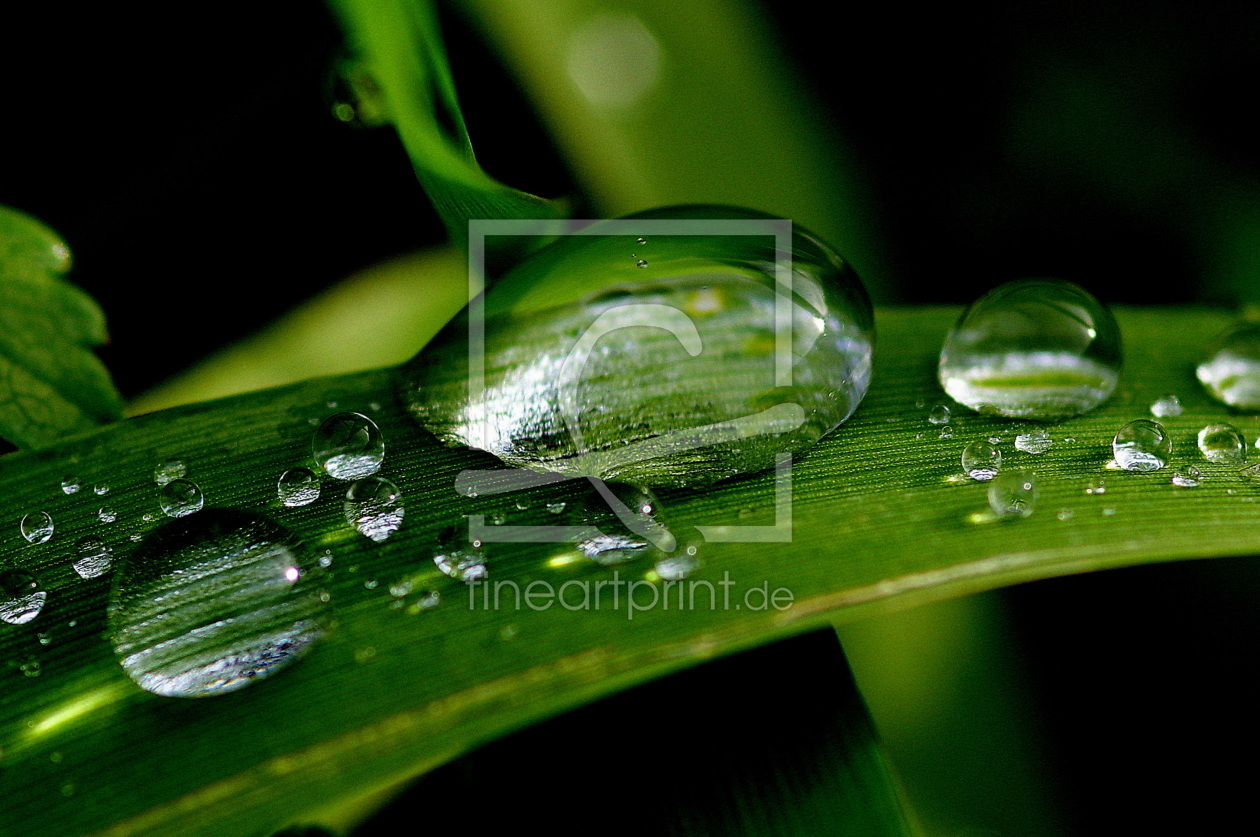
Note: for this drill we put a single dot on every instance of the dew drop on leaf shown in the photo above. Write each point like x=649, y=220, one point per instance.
x=1222, y=444
x=981, y=460
x=180, y=498
x=1040, y=349
x=208, y=604
x=71, y=485
x=93, y=557
x=1142, y=445
x=1013, y=494
x=939, y=414
x=1231, y=371
x=298, y=487
x=703, y=367
x=1166, y=406
x=348, y=446
x=169, y=469
x=1037, y=442
x=36, y=527
x=21, y=598
x=1188, y=477
x=374, y=506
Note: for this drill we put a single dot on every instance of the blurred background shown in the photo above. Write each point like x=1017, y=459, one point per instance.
x=195, y=167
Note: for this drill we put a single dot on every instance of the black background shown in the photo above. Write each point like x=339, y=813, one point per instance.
x=193, y=166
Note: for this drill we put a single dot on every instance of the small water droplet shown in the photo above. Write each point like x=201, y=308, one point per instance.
x=298, y=487
x=465, y=564
x=169, y=469
x=641, y=263
x=44, y=638
x=1037, y=442
x=556, y=508
x=101, y=489
x=21, y=598
x=939, y=414
x=640, y=240
x=1189, y=477
x=326, y=560
x=31, y=666
x=348, y=446
x=1065, y=514
x=1013, y=494
x=428, y=600
x=106, y=515
x=1036, y=348
x=399, y=589
x=1142, y=445
x=1108, y=512
x=1166, y=406
x=36, y=527
x=678, y=566
x=1223, y=444
x=371, y=584
x=94, y=557
x=179, y=498
x=211, y=603
x=374, y=506
x=947, y=432
x=1231, y=371
x=71, y=485
x=1096, y=487
x=981, y=460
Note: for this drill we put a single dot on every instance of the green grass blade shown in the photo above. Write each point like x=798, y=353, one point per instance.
x=395, y=690
x=400, y=44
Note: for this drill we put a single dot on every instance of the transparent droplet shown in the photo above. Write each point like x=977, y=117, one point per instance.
x=428, y=600
x=641, y=263
x=298, y=487
x=348, y=446
x=169, y=469
x=1223, y=444
x=1166, y=406
x=557, y=507
x=1036, y=442
x=694, y=371
x=179, y=498
x=938, y=414
x=981, y=460
x=31, y=667
x=640, y=240
x=1013, y=494
x=94, y=557
x=71, y=485
x=1142, y=445
x=1040, y=349
x=101, y=489
x=37, y=527
x=947, y=432
x=1231, y=370
x=208, y=604
x=1065, y=514
x=1096, y=487
x=21, y=598
x=400, y=588
x=678, y=566
x=465, y=563
x=1188, y=477
x=374, y=506
x=106, y=515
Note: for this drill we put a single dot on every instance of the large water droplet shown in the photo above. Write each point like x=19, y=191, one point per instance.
x=1231, y=370
x=180, y=498
x=37, y=527
x=348, y=446
x=671, y=376
x=1142, y=445
x=1013, y=494
x=374, y=506
x=208, y=604
x=1223, y=444
x=298, y=487
x=169, y=469
x=21, y=598
x=94, y=557
x=1037, y=348
x=981, y=460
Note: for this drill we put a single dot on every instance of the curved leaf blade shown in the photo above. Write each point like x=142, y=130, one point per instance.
x=396, y=689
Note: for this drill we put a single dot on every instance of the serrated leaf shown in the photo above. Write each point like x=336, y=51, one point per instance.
x=877, y=522
x=401, y=46
x=51, y=384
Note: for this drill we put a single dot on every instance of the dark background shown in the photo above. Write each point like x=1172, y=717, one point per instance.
x=192, y=164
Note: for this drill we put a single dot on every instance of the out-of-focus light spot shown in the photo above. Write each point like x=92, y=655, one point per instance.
x=613, y=60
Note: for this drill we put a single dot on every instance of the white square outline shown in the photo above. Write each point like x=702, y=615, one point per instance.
x=781, y=229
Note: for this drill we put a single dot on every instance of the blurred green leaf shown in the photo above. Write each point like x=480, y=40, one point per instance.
x=51, y=384
x=395, y=689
